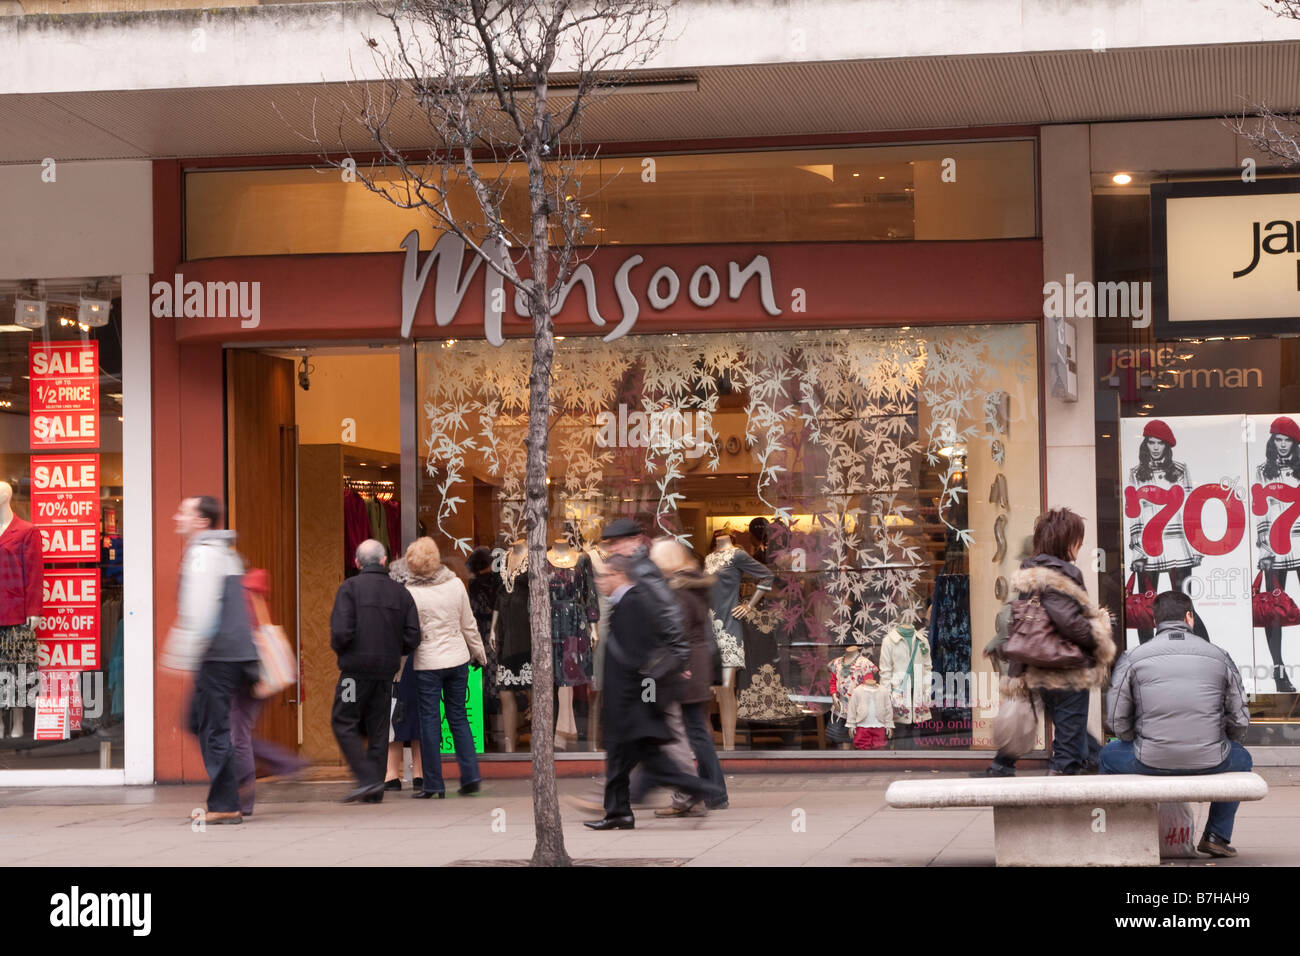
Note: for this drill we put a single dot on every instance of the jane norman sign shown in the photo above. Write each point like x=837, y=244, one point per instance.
x=1226, y=257
x=660, y=289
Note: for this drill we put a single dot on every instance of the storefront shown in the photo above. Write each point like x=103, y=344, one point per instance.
x=818, y=367
x=1198, y=401
x=76, y=668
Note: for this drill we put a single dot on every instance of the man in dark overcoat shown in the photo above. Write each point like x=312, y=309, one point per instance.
x=641, y=663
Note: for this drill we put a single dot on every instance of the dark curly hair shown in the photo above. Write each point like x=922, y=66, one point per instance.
x=479, y=560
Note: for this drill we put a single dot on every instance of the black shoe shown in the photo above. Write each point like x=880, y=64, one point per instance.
x=467, y=789
x=720, y=805
x=417, y=783
x=1281, y=682
x=373, y=798
x=611, y=823
x=369, y=790
x=994, y=770
x=394, y=784
x=1215, y=845
x=429, y=795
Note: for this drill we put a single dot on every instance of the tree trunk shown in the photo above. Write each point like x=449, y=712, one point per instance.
x=549, y=850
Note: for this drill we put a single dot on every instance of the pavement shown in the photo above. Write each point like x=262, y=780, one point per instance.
x=799, y=819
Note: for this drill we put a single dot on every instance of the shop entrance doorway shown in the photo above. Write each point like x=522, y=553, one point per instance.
x=306, y=429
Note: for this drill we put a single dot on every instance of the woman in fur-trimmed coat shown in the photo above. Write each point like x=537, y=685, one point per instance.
x=1050, y=573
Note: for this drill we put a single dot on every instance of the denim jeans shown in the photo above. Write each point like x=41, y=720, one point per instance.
x=1118, y=756
x=445, y=689
x=215, y=688
x=695, y=719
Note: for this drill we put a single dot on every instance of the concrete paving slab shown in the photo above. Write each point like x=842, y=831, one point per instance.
x=302, y=824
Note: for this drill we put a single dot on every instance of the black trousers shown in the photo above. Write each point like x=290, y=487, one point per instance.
x=660, y=770
x=360, y=721
x=215, y=687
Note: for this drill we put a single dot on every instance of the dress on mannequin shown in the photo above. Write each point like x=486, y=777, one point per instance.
x=728, y=564
x=848, y=673
x=574, y=609
x=514, y=635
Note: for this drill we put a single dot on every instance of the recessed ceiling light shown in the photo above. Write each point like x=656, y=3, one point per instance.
x=856, y=175
x=1122, y=179
x=880, y=177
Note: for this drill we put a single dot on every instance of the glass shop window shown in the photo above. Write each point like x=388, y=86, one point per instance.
x=861, y=494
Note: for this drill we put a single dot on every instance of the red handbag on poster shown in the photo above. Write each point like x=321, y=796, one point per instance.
x=1272, y=608
x=1139, y=608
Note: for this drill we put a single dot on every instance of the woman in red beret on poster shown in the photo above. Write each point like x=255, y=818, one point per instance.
x=1281, y=470
x=1156, y=467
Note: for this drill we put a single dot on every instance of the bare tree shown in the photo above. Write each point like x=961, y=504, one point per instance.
x=1270, y=132
x=501, y=86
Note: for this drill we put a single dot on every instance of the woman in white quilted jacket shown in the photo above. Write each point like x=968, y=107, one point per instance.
x=449, y=643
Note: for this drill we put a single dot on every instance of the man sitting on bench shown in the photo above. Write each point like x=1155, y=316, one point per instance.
x=1177, y=706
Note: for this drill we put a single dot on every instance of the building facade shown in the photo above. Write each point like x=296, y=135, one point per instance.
x=836, y=344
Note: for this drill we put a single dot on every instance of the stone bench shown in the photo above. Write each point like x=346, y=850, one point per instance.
x=1090, y=820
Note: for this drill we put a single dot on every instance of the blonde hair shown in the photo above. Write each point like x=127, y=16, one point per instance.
x=671, y=556
x=423, y=557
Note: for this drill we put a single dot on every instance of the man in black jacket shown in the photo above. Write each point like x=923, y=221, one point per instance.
x=373, y=625
x=639, y=666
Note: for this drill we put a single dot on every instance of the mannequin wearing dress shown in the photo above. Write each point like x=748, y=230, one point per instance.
x=728, y=563
x=574, y=613
x=21, y=574
x=848, y=673
x=507, y=619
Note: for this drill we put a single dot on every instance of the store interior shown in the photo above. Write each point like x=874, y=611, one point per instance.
x=96, y=693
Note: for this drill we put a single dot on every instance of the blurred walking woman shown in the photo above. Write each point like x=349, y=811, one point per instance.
x=450, y=640
x=1052, y=577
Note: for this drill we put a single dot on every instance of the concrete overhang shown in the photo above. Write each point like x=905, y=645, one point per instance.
x=101, y=86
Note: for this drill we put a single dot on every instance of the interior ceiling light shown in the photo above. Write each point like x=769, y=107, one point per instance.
x=1122, y=179
x=30, y=308
x=93, y=312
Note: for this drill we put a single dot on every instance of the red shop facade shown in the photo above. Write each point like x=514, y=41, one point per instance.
x=860, y=396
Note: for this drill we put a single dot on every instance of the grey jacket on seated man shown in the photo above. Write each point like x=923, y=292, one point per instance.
x=1179, y=699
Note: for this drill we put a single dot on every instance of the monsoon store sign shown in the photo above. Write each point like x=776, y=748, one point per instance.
x=659, y=288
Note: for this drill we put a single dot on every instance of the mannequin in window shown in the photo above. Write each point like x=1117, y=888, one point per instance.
x=905, y=670
x=21, y=576
x=848, y=672
x=574, y=613
x=727, y=564
x=870, y=716
x=512, y=636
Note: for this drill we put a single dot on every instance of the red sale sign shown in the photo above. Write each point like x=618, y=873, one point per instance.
x=65, y=506
x=64, y=391
x=69, y=631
